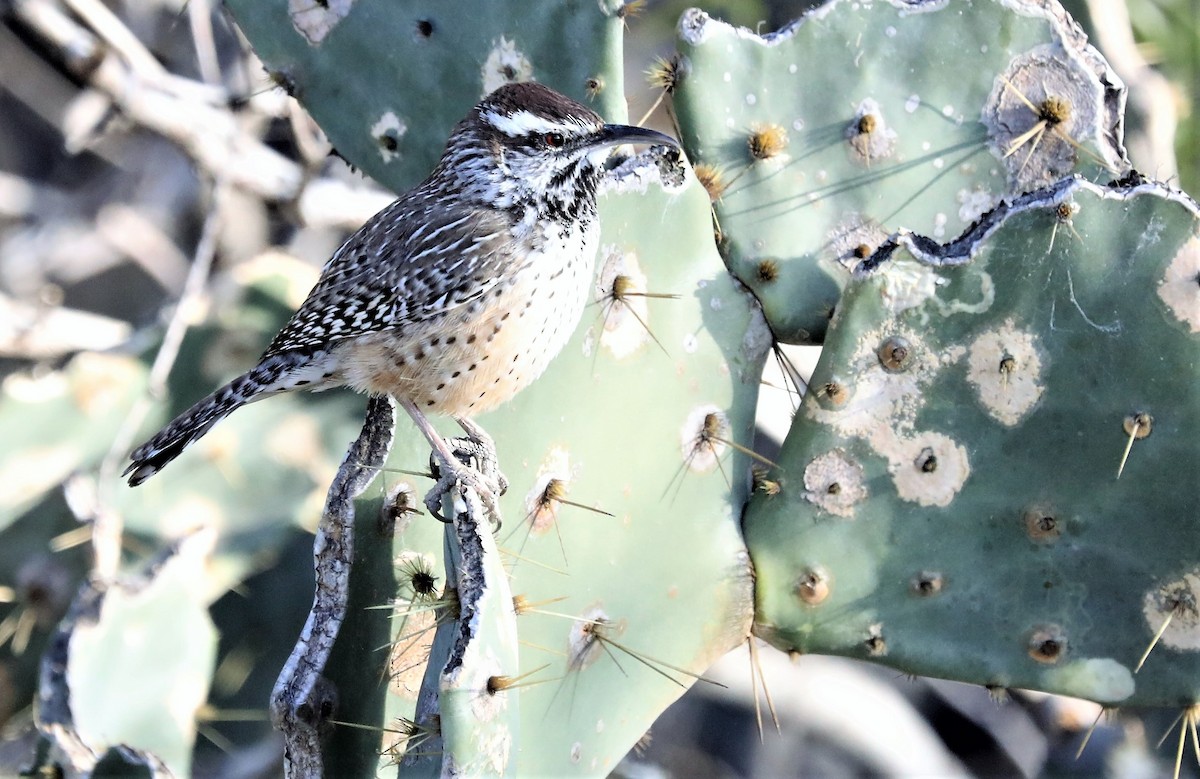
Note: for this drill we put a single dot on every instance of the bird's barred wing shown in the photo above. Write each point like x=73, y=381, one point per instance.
x=398, y=270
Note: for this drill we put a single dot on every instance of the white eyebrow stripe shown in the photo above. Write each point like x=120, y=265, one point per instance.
x=522, y=123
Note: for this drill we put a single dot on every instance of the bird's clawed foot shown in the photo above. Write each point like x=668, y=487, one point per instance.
x=474, y=464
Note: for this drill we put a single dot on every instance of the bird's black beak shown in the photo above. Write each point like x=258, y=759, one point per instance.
x=617, y=134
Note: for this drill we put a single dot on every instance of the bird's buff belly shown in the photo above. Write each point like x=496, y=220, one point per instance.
x=473, y=359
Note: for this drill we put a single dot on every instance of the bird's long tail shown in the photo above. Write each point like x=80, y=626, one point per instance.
x=168, y=443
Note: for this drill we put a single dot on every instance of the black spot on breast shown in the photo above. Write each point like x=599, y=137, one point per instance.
x=456, y=374
x=450, y=340
x=442, y=386
x=429, y=403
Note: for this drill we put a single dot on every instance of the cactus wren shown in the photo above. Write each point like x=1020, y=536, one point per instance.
x=457, y=295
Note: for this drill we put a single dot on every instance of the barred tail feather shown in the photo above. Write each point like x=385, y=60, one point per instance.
x=187, y=428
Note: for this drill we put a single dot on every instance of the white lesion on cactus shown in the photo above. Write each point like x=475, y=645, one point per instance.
x=975, y=202
x=620, y=292
x=912, y=281
x=388, y=133
x=835, y=482
x=505, y=64
x=585, y=639
x=400, y=504
x=854, y=239
x=549, y=491
x=702, y=439
x=1172, y=612
x=487, y=701
x=908, y=284
x=1179, y=288
x=315, y=19
x=928, y=469
x=1041, y=110
x=496, y=747
x=1005, y=368
x=869, y=139
x=541, y=502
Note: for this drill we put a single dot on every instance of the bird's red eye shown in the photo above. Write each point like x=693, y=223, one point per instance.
x=553, y=140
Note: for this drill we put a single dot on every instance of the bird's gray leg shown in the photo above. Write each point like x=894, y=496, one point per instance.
x=452, y=469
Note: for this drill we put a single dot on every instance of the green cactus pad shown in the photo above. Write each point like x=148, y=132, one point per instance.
x=619, y=421
x=950, y=501
x=424, y=63
x=131, y=664
x=862, y=118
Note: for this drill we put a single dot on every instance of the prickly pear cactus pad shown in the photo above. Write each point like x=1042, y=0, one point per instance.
x=466, y=679
x=424, y=63
x=144, y=642
x=992, y=476
x=621, y=517
x=858, y=119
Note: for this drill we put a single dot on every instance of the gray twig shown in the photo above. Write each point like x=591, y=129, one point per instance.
x=303, y=699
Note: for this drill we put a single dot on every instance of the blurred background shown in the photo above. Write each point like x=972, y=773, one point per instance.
x=109, y=219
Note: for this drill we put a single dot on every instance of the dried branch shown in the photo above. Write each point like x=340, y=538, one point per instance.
x=193, y=115
x=303, y=699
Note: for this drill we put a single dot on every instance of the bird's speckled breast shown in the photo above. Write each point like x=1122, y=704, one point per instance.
x=477, y=356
